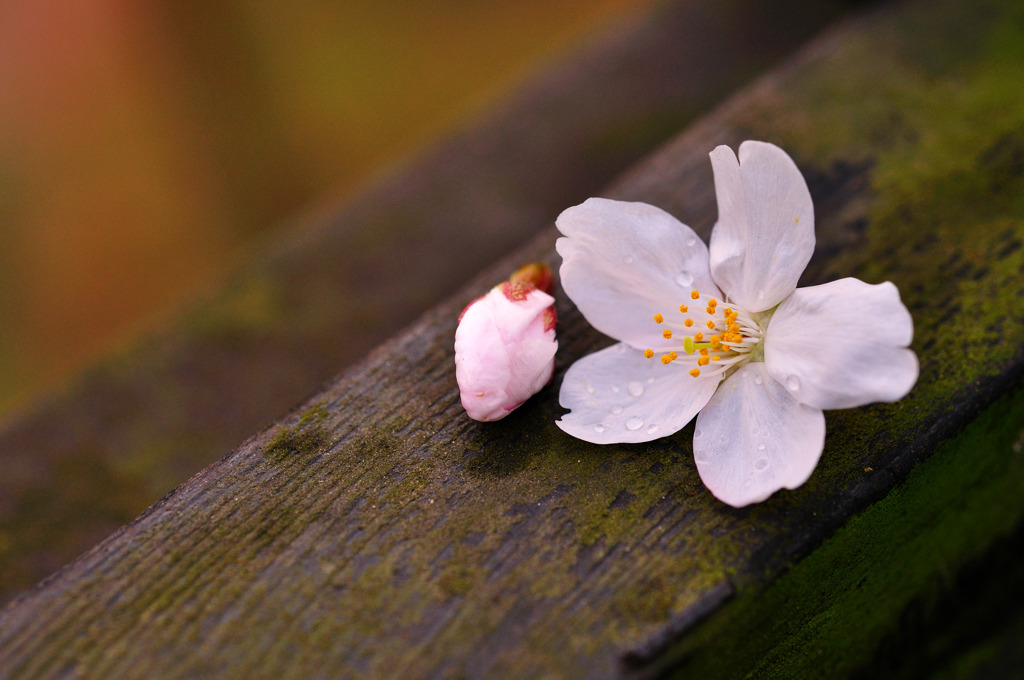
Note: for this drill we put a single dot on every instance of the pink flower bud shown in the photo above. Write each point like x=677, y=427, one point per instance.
x=505, y=344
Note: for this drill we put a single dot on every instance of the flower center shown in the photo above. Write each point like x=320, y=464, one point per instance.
x=709, y=337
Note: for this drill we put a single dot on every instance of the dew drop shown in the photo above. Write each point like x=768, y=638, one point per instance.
x=761, y=447
x=793, y=383
x=761, y=464
x=651, y=429
x=685, y=279
x=691, y=241
x=635, y=388
x=588, y=386
x=758, y=380
x=615, y=389
x=760, y=294
x=628, y=259
x=634, y=423
x=650, y=381
x=698, y=433
x=599, y=428
x=616, y=410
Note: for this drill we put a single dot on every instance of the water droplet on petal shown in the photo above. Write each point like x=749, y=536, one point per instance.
x=599, y=428
x=616, y=409
x=685, y=279
x=698, y=433
x=760, y=294
x=615, y=389
x=793, y=383
x=628, y=259
x=761, y=464
x=650, y=381
x=758, y=380
x=761, y=446
x=635, y=388
x=620, y=349
x=651, y=429
x=634, y=423
x=588, y=386
x=691, y=241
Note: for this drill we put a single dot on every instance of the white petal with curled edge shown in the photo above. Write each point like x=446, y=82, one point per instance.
x=753, y=438
x=842, y=344
x=624, y=262
x=764, y=236
x=619, y=396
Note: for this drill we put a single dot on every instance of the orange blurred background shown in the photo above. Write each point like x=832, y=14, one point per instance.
x=143, y=144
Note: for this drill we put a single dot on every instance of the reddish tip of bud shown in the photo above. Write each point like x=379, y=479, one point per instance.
x=516, y=292
x=550, y=318
x=534, y=275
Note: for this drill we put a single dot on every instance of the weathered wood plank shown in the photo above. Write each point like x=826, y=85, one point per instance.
x=377, y=532
x=313, y=300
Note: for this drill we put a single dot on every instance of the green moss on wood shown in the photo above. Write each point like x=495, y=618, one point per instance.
x=306, y=438
x=839, y=609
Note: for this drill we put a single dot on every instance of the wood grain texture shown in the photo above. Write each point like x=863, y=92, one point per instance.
x=378, y=532
x=317, y=297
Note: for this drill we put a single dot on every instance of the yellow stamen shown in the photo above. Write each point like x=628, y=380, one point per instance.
x=711, y=325
x=703, y=361
x=698, y=336
x=695, y=372
x=712, y=302
x=666, y=359
x=710, y=309
x=694, y=294
x=716, y=358
x=683, y=308
x=704, y=351
x=666, y=334
x=688, y=323
x=649, y=353
x=658, y=318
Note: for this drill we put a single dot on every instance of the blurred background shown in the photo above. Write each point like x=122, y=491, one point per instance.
x=209, y=209
x=144, y=143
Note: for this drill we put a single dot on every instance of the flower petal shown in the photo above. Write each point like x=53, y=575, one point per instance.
x=619, y=396
x=753, y=438
x=624, y=262
x=764, y=236
x=842, y=344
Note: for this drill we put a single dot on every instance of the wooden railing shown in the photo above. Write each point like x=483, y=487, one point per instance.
x=377, y=532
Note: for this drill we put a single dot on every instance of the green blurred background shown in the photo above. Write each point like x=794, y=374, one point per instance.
x=143, y=144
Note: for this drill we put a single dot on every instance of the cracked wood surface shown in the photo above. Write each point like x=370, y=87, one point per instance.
x=378, y=532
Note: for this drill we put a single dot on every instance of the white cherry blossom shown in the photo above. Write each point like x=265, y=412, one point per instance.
x=722, y=332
